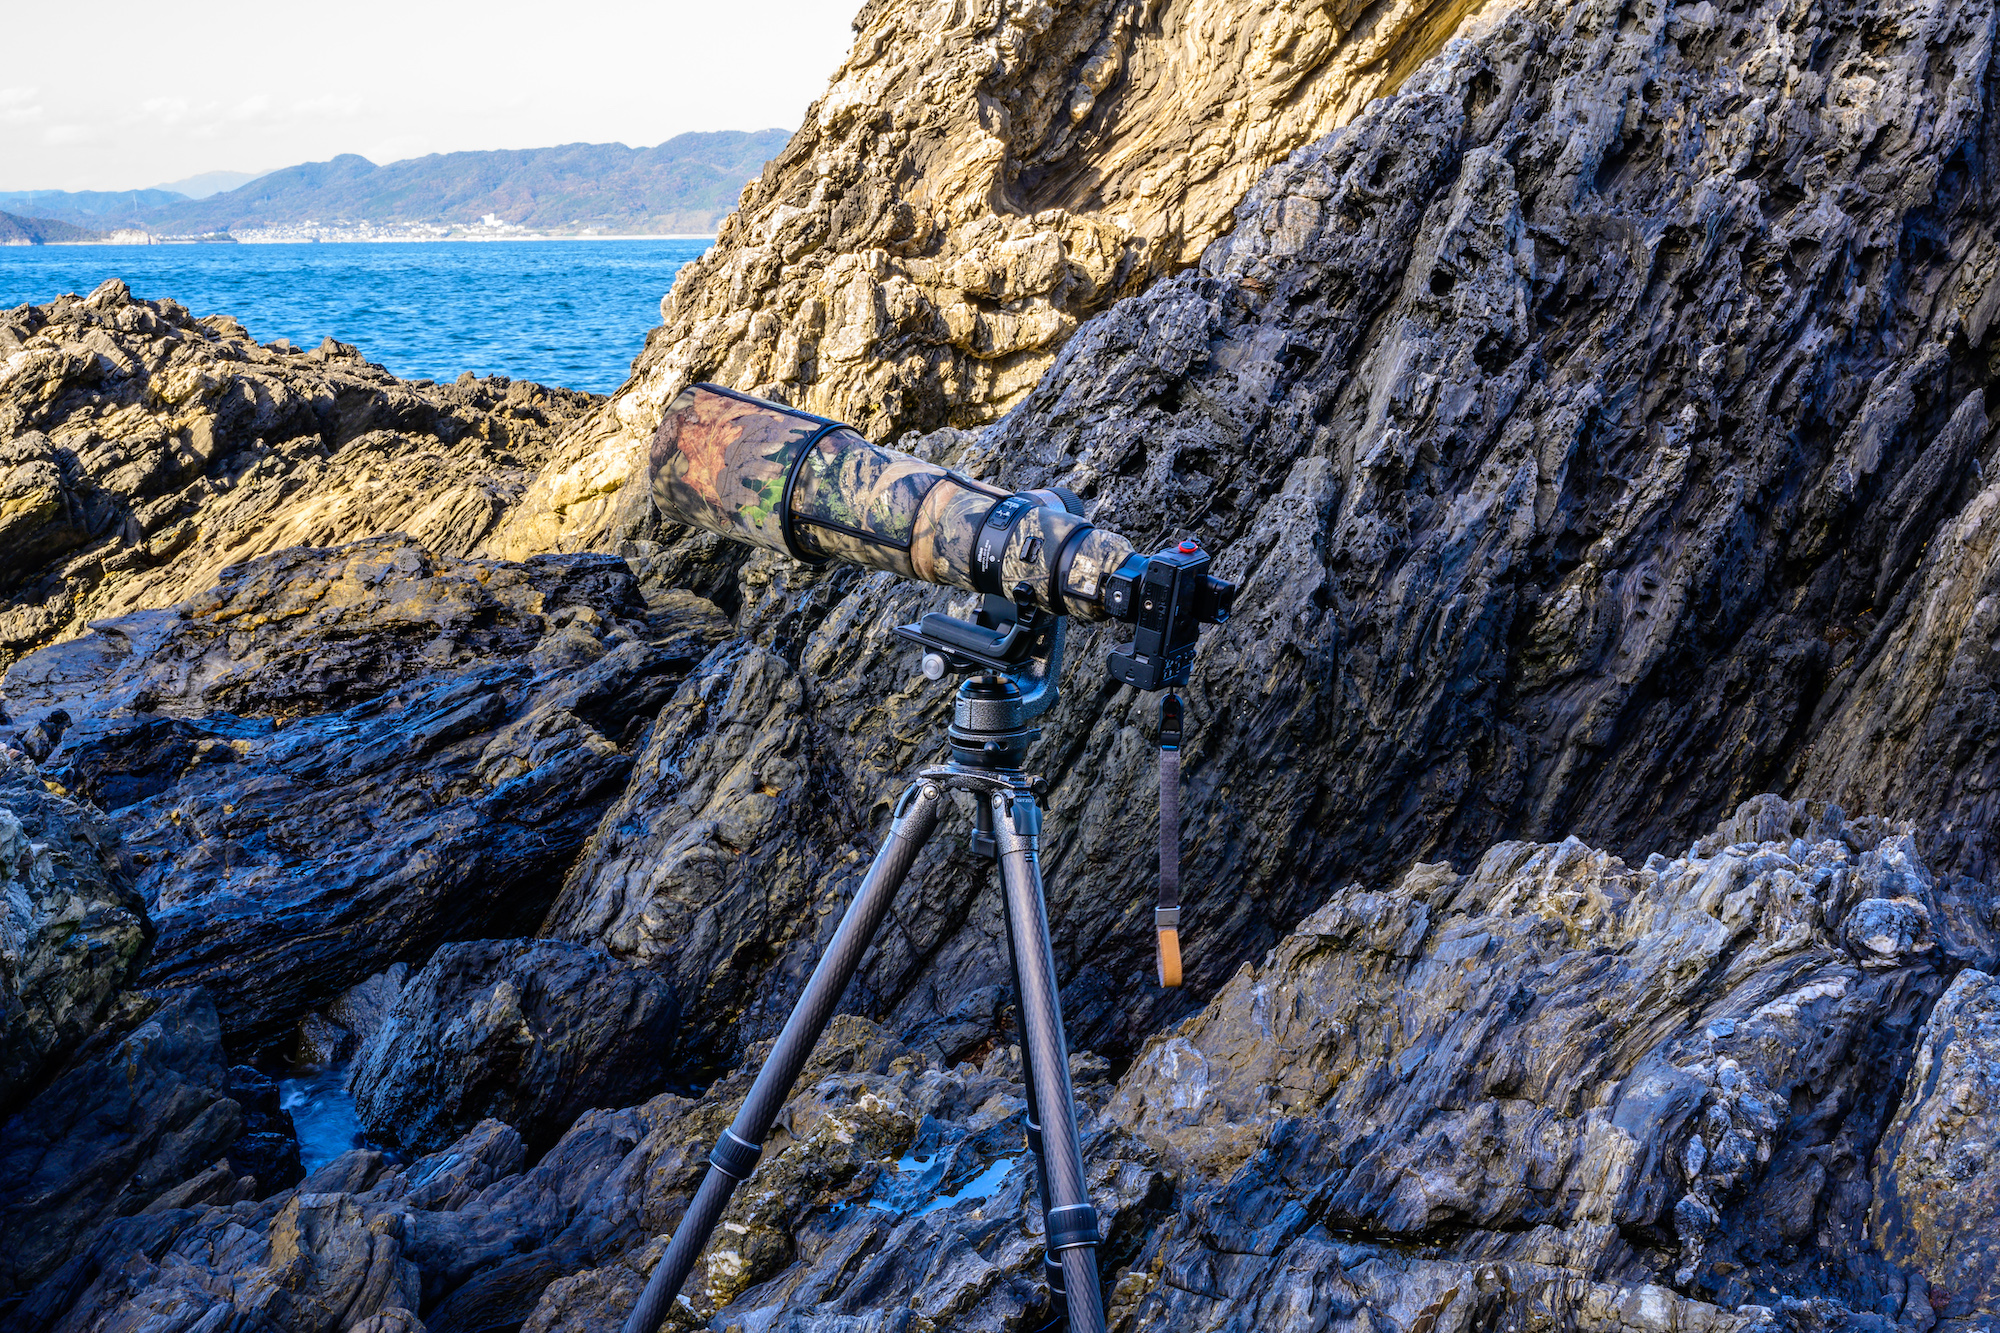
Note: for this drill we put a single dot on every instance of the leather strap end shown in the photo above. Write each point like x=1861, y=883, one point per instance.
x=1170, y=958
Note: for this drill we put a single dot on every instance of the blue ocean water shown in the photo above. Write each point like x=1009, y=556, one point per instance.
x=569, y=313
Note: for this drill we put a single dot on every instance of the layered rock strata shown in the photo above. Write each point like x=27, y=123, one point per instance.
x=1553, y=1088
x=112, y=1100
x=979, y=179
x=1581, y=471
x=143, y=451
x=530, y=1032
x=336, y=760
x=141, y=1111
x=1937, y=1173
x=74, y=931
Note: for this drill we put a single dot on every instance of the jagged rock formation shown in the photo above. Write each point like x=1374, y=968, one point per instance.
x=1554, y=1086
x=1937, y=1178
x=72, y=930
x=143, y=451
x=1564, y=493
x=1598, y=429
x=337, y=760
x=979, y=179
x=111, y=1100
x=138, y=1113
x=469, y=1239
x=530, y=1032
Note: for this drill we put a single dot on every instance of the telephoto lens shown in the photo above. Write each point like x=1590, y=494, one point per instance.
x=775, y=477
x=772, y=476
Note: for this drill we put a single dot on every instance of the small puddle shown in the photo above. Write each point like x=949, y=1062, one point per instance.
x=322, y=1113
x=919, y=1174
x=982, y=1186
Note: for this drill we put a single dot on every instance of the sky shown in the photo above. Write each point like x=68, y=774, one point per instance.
x=123, y=95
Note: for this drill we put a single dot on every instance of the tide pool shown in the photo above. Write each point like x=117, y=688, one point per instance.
x=569, y=313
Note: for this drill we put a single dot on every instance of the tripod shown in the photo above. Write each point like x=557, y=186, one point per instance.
x=1012, y=645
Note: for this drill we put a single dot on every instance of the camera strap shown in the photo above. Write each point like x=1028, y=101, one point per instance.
x=1167, y=917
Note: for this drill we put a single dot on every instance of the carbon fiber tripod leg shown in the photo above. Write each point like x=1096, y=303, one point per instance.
x=1052, y=1270
x=1070, y=1222
x=736, y=1153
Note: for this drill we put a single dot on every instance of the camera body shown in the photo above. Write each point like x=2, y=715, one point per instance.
x=1168, y=596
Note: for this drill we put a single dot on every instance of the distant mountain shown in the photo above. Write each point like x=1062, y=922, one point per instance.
x=42, y=231
x=684, y=185
x=91, y=208
x=209, y=182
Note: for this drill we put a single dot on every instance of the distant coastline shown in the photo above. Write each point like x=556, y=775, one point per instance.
x=681, y=188
x=471, y=239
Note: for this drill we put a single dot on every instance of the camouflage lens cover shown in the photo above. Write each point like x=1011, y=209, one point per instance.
x=947, y=529
x=857, y=502
x=719, y=461
x=728, y=463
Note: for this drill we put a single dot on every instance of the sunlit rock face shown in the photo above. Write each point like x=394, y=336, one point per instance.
x=981, y=177
x=143, y=451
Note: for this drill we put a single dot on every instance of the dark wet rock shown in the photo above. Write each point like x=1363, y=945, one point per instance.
x=475, y=1239
x=1553, y=1087
x=529, y=1032
x=1937, y=1174
x=336, y=760
x=73, y=931
x=143, y=1106
x=1553, y=1091
x=332, y=1038
x=320, y=1043
x=365, y=1007
x=734, y=828
x=39, y=738
x=268, y=1148
x=143, y=451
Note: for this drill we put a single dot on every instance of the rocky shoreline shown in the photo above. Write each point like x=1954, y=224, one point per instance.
x=1589, y=854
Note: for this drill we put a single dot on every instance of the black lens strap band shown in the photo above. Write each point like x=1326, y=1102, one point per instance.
x=786, y=526
x=848, y=530
x=1059, y=567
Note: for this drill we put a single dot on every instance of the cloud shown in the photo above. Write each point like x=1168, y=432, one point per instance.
x=19, y=107
x=165, y=110
x=329, y=107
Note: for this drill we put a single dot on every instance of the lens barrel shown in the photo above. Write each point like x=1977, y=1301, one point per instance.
x=772, y=476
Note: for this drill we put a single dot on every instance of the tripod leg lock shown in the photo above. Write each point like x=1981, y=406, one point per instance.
x=735, y=1158
x=1027, y=817
x=1072, y=1226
